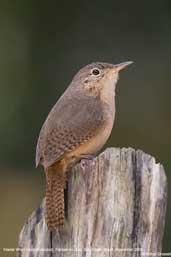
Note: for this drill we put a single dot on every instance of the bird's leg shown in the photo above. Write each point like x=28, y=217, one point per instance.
x=86, y=157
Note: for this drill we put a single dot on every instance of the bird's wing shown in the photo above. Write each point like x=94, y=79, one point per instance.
x=72, y=122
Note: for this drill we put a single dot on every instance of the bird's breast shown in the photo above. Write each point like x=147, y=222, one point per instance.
x=97, y=142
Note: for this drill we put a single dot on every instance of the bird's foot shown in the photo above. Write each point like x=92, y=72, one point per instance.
x=85, y=158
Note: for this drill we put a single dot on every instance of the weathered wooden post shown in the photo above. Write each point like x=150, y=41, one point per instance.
x=116, y=207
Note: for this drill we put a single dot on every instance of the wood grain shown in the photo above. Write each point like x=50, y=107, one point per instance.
x=116, y=207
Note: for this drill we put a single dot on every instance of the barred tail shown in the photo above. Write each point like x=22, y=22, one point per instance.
x=55, y=183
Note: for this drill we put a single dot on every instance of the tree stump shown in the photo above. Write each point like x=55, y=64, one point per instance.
x=116, y=207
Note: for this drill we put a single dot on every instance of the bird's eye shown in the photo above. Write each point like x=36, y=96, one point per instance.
x=95, y=72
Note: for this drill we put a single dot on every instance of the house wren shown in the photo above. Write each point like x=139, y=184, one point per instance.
x=78, y=125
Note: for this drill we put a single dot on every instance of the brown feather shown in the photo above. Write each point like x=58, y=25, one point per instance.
x=64, y=133
x=55, y=184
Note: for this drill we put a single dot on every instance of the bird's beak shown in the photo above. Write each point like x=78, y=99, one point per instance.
x=120, y=66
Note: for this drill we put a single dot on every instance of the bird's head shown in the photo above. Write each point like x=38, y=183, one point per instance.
x=97, y=76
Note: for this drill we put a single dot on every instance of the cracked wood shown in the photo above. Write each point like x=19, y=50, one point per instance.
x=116, y=207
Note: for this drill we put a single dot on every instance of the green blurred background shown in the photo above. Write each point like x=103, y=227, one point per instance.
x=42, y=45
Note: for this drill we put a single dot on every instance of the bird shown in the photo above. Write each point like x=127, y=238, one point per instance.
x=77, y=127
